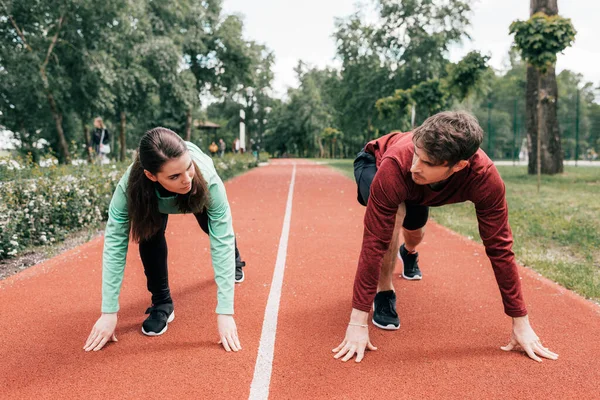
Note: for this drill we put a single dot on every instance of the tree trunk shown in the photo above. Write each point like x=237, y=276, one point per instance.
x=551, y=149
x=62, y=142
x=188, y=125
x=321, y=149
x=88, y=142
x=548, y=7
x=122, y=141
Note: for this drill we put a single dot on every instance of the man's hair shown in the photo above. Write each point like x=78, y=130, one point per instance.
x=449, y=136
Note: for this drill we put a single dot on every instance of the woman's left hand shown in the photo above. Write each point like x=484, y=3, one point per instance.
x=228, y=333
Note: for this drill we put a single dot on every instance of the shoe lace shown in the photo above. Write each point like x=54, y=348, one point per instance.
x=412, y=259
x=387, y=307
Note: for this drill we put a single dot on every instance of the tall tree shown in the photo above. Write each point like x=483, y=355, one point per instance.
x=539, y=39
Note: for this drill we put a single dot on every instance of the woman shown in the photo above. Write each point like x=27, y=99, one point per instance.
x=100, y=139
x=168, y=176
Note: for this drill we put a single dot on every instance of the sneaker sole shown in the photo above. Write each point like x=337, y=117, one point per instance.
x=414, y=278
x=241, y=280
x=388, y=327
x=171, y=318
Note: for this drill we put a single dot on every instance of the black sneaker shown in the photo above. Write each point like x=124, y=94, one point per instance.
x=411, y=269
x=239, y=272
x=384, y=311
x=160, y=316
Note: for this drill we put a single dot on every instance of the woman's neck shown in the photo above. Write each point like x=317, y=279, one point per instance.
x=164, y=192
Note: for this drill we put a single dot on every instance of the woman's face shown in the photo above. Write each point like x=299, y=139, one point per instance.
x=176, y=175
x=98, y=123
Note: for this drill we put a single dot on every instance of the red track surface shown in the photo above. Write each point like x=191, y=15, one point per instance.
x=447, y=347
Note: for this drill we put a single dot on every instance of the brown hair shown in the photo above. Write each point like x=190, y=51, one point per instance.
x=449, y=136
x=158, y=146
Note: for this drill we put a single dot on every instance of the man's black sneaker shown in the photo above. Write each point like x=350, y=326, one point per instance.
x=384, y=311
x=411, y=269
x=158, y=320
x=239, y=272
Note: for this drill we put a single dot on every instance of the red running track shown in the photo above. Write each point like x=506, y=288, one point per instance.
x=447, y=347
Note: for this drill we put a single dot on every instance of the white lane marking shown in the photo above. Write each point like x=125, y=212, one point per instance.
x=259, y=389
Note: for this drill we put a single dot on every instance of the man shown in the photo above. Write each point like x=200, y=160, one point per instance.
x=399, y=176
x=221, y=147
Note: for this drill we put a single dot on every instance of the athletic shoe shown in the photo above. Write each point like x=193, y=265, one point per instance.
x=384, y=311
x=239, y=272
x=411, y=269
x=158, y=320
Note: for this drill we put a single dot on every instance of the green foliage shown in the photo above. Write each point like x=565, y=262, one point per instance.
x=541, y=37
x=396, y=109
x=464, y=76
x=296, y=126
x=145, y=61
x=417, y=34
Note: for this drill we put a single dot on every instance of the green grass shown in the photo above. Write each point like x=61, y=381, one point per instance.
x=556, y=232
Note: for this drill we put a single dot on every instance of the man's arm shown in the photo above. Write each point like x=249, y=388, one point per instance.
x=388, y=191
x=492, y=215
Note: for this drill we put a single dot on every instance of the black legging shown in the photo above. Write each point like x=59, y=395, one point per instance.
x=154, y=258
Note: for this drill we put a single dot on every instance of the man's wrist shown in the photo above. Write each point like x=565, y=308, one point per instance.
x=359, y=317
x=520, y=321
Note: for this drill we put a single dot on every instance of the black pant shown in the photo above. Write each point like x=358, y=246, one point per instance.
x=365, y=168
x=154, y=258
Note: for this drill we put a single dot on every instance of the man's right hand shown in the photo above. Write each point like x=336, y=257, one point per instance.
x=102, y=332
x=357, y=338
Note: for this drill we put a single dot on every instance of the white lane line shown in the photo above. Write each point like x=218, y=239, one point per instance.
x=259, y=389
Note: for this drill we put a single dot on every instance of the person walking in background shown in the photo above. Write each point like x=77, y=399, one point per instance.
x=213, y=148
x=222, y=147
x=236, y=146
x=168, y=176
x=100, y=140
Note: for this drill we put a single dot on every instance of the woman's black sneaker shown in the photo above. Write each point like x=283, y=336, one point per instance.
x=384, y=311
x=411, y=269
x=239, y=272
x=158, y=320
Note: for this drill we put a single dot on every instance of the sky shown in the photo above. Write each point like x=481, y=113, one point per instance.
x=302, y=30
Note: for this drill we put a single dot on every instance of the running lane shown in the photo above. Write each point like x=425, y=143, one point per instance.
x=452, y=322
x=48, y=310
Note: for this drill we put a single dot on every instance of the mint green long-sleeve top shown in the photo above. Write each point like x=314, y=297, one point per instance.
x=222, y=238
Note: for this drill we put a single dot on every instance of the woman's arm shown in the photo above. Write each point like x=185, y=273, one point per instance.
x=222, y=245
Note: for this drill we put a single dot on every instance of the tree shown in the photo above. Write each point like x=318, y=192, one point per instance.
x=539, y=39
x=55, y=40
x=417, y=34
x=333, y=137
x=405, y=50
x=429, y=97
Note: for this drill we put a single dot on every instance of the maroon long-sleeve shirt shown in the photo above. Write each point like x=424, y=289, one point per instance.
x=479, y=182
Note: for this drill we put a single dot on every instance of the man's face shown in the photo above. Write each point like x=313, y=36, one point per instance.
x=425, y=172
x=176, y=175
